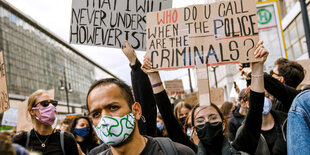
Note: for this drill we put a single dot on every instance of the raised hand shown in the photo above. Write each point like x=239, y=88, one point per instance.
x=130, y=53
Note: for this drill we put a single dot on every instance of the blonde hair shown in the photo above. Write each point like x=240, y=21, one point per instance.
x=33, y=98
x=179, y=106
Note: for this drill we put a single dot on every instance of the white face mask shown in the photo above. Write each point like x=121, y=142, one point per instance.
x=267, y=106
x=114, y=130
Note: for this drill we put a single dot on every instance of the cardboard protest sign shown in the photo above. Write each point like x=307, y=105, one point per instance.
x=203, y=85
x=174, y=87
x=24, y=122
x=4, y=97
x=109, y=23
x=217, y=96
x=9, y=117
x=306, y=65
x=217, y=33
x=191, y=98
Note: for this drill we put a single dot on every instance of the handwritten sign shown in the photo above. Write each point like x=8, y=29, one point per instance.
x=218, y=33
x=4, y=97
x=191, y=98
x=109, y=22
x=217, y=96
x=174, y=87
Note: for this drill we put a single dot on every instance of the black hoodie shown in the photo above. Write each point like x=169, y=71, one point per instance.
x=234, y=123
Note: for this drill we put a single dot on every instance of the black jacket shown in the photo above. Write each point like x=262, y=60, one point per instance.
x=143, y=93
x=279, y=146
x=234, y=123
x=248, y=135
x=283, y=93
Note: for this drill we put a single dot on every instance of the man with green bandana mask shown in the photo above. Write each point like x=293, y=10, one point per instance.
x=115, y=116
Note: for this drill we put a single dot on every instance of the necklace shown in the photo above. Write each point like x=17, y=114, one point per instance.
x=43, y=143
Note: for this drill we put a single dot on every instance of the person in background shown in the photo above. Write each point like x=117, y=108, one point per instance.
x=181, y=111
x=238, y=114
x=43, y=138
x=227, y=109
x=189, y=129
x=209, y=122
x=161, y=132
x=6, y=147
x=65, y=125
x=84, y=134
x=298, y=125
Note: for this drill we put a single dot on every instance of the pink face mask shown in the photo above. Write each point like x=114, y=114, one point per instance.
x=47, y=114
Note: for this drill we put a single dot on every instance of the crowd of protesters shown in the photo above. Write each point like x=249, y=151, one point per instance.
x=270, y=117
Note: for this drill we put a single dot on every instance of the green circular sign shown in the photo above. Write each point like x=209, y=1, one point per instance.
x=263, y=16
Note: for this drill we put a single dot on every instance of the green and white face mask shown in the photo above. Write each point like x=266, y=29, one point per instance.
x=114, y=130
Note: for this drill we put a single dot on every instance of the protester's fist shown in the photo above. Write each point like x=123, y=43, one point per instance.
x=261, y=52
x=130, y=53
x=147, y=64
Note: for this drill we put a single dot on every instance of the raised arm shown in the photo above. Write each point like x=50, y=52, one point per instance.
x=248, y=135
x=174, y=129
x=143, y=93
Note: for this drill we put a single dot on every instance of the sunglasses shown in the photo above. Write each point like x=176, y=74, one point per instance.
x=46, y=103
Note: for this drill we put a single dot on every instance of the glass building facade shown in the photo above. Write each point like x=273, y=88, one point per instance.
x=37, y=59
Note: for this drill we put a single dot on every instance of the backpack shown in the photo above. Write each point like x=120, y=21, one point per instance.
x=167, y=146
x=61, y=141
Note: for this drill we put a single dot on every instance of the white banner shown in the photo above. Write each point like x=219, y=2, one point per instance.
x=10, y=117
x=109, y=23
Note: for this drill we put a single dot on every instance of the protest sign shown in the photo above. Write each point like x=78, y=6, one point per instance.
x=9, y=117
x=4, y=97
x=174, y=87
x=109, y=23
x=191, y=98
x=217, y=96
x=217, y=33
x=203, y=85
x=306, y=65
x=270, y=31
x=24, y=122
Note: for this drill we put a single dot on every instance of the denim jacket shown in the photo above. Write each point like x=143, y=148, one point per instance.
x=298, y=125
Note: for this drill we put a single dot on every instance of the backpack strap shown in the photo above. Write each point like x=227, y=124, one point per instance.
x=166, y=145
x=28, y=139
x=62, y=142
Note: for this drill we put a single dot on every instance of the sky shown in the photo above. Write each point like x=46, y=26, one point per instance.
x=55, y=16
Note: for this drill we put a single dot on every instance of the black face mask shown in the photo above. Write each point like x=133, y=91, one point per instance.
x=210, y=134
x=182, y=120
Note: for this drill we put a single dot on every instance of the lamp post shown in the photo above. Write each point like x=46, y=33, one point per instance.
x=214, y=71
x=67, y=88
x=305, y=20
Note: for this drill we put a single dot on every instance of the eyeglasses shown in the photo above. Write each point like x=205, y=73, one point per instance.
x=46, y=103
x=273, y=73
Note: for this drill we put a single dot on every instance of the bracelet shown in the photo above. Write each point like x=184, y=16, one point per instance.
x=157, y=84
x=256, y=76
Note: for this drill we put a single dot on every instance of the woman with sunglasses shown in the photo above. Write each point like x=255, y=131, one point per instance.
x=43, y=137
x=208, y=121
x=83, y=132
